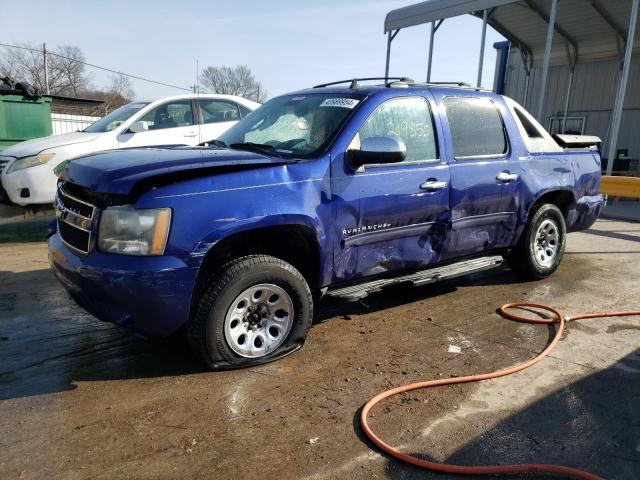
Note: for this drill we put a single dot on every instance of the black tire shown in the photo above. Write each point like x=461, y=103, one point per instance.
x=523, y=260
x=206, y=328
x=4, y=198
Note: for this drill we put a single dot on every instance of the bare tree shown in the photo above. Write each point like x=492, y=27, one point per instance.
x=233, y=81
x=121, y=88
x=67, y=74
x=23, y=65
x=119, y=92
x=67, y=67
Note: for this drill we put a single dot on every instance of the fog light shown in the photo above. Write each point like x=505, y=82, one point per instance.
x=25, y=193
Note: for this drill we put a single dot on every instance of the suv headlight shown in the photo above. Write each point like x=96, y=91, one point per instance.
x=130, y=231
x=32, y=161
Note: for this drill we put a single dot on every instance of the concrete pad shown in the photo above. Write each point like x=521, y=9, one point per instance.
x=83, y=399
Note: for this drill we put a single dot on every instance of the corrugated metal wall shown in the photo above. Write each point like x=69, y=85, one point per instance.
x=594, y=89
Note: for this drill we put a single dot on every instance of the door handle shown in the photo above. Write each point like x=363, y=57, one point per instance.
x=433, y=185
x=506, y=177
x=191, y=134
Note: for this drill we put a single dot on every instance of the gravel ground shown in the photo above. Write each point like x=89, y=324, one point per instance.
x=83, y=399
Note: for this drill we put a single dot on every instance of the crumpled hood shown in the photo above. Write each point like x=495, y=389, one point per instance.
x=118, y=171
x=37, y=145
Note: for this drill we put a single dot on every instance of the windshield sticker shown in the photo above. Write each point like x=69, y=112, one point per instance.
x=340, y=102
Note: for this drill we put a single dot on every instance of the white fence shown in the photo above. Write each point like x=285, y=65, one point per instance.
x=65, y=123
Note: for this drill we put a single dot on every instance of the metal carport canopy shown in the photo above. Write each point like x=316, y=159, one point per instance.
x=432, y=10
x=546, y=32
x=596, y=29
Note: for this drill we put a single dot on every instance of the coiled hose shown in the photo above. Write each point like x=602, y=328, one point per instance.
x=556, y=317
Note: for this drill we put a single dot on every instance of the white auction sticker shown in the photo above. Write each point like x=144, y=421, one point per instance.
x=340, y=102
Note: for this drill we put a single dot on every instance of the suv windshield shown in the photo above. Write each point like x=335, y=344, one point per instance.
x=292, y=125
x=115, y=118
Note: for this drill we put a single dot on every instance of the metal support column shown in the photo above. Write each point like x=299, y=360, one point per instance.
x=434, y=28
x=526, y=90
x=485, y=17
x=433, y=34
x=545, y=64
x=617, y=109
x=528, y=65
x=566, y=100
x=573, y=59
x=386, y=69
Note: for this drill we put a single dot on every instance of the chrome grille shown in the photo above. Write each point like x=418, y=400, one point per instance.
x=75, y=220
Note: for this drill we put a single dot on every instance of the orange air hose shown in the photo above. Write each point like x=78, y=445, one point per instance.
x=556, y=317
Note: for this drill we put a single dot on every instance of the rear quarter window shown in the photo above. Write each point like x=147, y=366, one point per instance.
x=476, y=127
x=535, y=137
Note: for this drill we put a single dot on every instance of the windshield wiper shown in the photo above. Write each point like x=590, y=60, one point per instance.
x=215, y=143
x=256, y=147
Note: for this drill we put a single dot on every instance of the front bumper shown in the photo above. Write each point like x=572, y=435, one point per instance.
x=587, y=211
x=39, y=180
x=152, y=295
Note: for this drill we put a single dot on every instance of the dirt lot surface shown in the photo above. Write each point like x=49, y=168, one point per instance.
x=84, y=399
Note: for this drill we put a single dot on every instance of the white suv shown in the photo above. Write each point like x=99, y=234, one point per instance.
x=27, y=168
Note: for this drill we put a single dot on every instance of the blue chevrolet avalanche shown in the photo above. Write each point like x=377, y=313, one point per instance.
x=342, y=189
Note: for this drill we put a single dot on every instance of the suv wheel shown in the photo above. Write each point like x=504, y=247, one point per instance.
x=541, y=246
x=254, y=310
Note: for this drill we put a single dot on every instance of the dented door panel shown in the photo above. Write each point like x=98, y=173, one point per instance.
x=481, y=216
x=483, y=200
x=386, y=222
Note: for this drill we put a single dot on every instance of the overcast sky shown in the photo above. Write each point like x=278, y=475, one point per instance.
x=287, y=44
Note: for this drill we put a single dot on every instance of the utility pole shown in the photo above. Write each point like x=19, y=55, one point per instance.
x=46, y=68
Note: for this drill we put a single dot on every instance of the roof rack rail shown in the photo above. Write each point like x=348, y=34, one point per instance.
x=396, y=81
x=354, y=81
x=459, y=84
x=439, y=84
x=455, y=84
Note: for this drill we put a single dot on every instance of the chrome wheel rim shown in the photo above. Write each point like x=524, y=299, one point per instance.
x=258, y=320
x=546, y=243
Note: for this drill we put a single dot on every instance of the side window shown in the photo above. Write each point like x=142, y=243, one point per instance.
x=535, y=137
x=530, y=129
x=476, y=127
x=214, y=111
x=408, y=118
x=244, y=111
x=170, y=115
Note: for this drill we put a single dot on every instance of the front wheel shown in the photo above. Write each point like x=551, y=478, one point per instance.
x=541, y=246
x=256, y=309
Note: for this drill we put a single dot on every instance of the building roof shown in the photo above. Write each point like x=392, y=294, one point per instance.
x=596, y=29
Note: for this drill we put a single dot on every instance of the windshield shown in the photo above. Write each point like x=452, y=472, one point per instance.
x=115, y=118
x=292, y=125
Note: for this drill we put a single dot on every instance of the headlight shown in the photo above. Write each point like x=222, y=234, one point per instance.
x=27, y=162
x=134, y=232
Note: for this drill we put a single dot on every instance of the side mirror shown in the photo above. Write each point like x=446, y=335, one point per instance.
x=139, y=126
x=378, y=150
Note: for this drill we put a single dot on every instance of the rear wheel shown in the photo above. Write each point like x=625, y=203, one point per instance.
x=254, y=310
x=541, y=247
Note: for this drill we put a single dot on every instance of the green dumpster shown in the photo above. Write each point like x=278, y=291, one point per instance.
x=23, y=118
